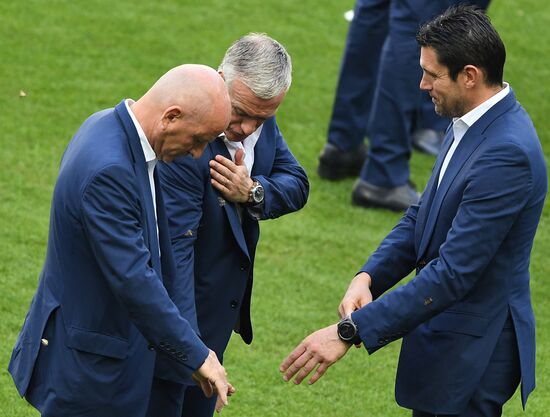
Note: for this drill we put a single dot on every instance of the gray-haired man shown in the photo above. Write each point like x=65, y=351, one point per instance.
x=214, y=204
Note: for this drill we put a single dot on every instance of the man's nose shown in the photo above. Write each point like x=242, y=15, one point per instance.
x=424, y=85
x=249, y=126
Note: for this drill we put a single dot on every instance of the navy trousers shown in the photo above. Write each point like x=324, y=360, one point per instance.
x=399, y=106
x=166, y=399
x=196, y=404
x=358, y=74
x=170, y=399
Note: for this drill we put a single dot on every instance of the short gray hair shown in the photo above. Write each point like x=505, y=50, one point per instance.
x=261, y=63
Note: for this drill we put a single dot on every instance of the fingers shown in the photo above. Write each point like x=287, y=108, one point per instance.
x=222, y=162
x=305, y=370
x=347, y=307
x=220, y=173
x=295, y=354
x=239, y=157
x=319, y=372
x=219, y=402
x=206, y=387
x=341, y=311
x=219, y=405
x=222, y=388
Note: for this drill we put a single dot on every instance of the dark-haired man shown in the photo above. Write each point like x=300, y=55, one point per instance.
x=466, y=318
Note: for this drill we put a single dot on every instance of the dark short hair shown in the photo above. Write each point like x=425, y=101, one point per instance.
x=463, y=35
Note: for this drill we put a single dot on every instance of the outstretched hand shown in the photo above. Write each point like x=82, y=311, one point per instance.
x=319, y=350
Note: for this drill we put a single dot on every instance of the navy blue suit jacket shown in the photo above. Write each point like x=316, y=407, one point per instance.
x=470, y=240
x=210, y=242
x=103, y=299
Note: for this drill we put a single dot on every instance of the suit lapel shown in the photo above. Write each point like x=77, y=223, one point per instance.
x=431, y=189
x=219, y=148
x=140, y=168
x=264, y=152
x=469, y=143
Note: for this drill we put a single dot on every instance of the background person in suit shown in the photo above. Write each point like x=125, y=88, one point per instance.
x=344, y=153
x=102, y=311
x=396, y=109
x=214, y=203
x=466, y=318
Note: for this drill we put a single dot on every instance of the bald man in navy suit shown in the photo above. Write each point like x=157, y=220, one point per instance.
x=103, y=313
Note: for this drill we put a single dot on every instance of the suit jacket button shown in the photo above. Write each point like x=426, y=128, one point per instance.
x=44, y=342
x=428, y=301
x=151, y=347
x=234, y=303
x=243, y=267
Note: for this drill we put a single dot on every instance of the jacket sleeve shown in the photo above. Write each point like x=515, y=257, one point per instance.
x=484, y=217
x=112, y=219
x=395, y=258
x=286, y=186
x=183, y=188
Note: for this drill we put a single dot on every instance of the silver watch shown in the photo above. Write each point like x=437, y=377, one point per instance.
x=256, y=195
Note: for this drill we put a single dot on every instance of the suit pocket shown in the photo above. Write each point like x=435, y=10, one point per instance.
x=93, y=367
x=98, y=343
x=459, y=322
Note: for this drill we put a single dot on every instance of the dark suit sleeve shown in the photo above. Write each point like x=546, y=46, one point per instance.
x=395, y=257
x=286, y=187
x=497, y=188
x=183, y=190
x=112, y=219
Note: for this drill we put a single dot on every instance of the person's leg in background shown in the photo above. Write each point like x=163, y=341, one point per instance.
x=345, y=152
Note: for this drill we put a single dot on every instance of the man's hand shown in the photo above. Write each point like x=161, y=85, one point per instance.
x=322, y=348
x=212, y=378
x=358, y=295
x=231, y=179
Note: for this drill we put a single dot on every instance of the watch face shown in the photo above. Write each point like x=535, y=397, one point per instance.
x=258, y=194
x=346, y=330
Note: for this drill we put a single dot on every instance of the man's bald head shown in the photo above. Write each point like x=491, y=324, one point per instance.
x=197, y=88
x=185, y=109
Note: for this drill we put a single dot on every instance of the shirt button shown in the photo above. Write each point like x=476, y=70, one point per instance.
x=234, y=303
x=151, y=347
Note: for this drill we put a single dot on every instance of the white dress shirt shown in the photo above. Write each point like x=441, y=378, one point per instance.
x=150, y=156
x=462, y=124
x=247, y=145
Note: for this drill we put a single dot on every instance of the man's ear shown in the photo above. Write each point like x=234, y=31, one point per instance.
x=473, y=76
x=171, y=114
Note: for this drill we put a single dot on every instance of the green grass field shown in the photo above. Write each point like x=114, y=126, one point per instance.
x=72, y=58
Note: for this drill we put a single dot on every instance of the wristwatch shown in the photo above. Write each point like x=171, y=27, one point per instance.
x=347, y=331
x=256, y=195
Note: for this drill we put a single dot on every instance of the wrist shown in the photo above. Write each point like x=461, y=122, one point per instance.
x=348, y=332
x=363, y=277
x=255, y=193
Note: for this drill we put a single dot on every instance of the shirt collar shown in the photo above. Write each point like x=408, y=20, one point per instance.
x=475, y=114
x=148, y=151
